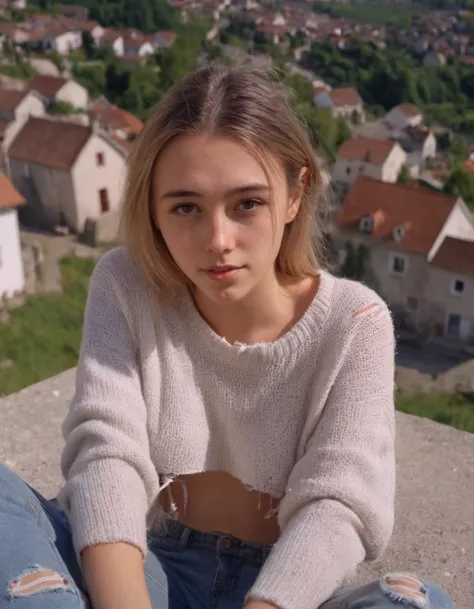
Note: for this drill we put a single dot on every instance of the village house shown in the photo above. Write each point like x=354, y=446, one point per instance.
x=113, y=39
x=419, y=143
x=397, y=235
x=122, y=126
x=15, y=109
x=9, y=4
x=137, y=44
x=12, y=280
x=164, y=39
x=68, y=173
x=451, y=283
x=404, y=115
x=62, y=40
x=54, y=89
x=379, y=159
x=47, y=33
x=13, y=33
x=94, y=29
x=345, y=103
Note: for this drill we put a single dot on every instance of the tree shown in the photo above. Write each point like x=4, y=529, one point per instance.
x=354, y=266
x=404, y=176
x=88, y=44
x=461, y=182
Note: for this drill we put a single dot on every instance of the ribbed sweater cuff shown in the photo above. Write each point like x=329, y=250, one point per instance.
x=309, y=562
x=108, y=504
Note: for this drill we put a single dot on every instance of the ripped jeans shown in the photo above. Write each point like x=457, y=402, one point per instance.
x=184, y=569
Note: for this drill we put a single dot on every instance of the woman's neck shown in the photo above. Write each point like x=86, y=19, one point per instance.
x=265, y=314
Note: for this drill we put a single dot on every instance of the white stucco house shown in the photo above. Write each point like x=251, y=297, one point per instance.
x=379, y=159
x=403, y=116
x=15, y=109
x=63, y=42
x=53, y=88
x=420, y=144
x=68, y=173
x=420, y=254
x=12, y=279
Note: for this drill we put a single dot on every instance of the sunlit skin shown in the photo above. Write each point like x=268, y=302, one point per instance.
x=215, y=207
x=222, y=217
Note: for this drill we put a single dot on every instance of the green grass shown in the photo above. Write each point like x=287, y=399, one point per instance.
x=43, y=337
x=455, y=410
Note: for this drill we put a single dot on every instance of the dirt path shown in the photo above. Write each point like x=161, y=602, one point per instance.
x=53, y=249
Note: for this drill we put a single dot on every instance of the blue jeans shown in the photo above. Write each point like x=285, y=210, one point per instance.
x=185, y=569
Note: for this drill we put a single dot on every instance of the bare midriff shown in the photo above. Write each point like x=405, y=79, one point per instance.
x=219, y=503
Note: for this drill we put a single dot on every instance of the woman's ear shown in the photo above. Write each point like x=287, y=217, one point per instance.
x=295, y=201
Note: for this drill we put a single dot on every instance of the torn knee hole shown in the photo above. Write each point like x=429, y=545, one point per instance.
x=37, y=580
x=408, y=587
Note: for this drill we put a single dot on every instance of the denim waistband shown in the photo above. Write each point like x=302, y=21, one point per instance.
x=179, y=536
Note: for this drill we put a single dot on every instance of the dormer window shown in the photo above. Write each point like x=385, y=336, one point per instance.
x=398, y=233
x=366, y=224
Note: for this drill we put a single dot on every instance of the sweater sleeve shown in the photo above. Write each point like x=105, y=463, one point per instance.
x=110, y=478
x=338, y=509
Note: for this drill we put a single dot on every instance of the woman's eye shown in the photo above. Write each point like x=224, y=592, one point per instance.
x=250, y=204
x=185, y=209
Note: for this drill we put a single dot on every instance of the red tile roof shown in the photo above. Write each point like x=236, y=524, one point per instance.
x=368, y=150
x=3, y=126
x=421, y=211
x=456, y=256
x=111, y=35
x=345, y=97
x=9, y=99
x=167, y=35
x=48, y=86
x=48, y=142
x=409, y=110
x=115, y=118
x=9, y=196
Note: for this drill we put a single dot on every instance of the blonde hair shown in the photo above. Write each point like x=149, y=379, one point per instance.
x=246, y=105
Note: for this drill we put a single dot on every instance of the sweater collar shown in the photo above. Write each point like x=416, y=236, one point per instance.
x=306, y=330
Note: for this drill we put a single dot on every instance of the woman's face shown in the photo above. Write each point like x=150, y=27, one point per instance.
x=220, y=216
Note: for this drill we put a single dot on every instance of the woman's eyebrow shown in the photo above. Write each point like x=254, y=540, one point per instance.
x=182, y=193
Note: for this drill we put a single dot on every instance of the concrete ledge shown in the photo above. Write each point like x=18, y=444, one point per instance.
x=434, y=532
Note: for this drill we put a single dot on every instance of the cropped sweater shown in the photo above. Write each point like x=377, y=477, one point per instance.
x=308, y=419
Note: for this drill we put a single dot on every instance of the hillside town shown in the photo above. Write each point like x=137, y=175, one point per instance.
x=402, y=178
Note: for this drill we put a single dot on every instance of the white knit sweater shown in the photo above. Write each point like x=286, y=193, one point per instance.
x=308, y=419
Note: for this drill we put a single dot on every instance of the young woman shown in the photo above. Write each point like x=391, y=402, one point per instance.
x=231, y=440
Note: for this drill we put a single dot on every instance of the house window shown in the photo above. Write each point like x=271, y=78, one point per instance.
x=453, y=326
x=398, y=233
x=104, y=200
x=366, y=224
x=398, y=264
x=100, y=159
x=457, y=287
